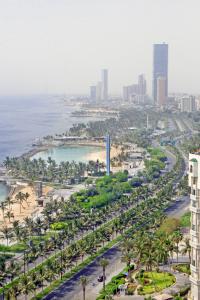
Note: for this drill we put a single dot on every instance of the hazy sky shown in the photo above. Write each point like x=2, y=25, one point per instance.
x=61, y=45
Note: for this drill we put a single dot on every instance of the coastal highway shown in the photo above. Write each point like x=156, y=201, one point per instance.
x=72, y=289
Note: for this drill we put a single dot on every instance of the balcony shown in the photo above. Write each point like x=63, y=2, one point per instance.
x=196, y=210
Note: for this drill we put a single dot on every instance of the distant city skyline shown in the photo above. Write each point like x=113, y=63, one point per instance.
x=59, y=46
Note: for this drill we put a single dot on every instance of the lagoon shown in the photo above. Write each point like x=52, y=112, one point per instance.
x=69, y=153
x=4, y=190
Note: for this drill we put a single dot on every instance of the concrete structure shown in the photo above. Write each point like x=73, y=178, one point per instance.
x=194, y=183
x=160, y=67
x=108, y=155
x=93, y=93
x=104, y=78
x=188, y=104
x=38, y=189
x=161, y=92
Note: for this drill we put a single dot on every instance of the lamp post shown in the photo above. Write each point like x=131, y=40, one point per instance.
x=108, y=155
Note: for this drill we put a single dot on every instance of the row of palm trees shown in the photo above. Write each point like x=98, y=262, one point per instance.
x=39, y=169
x=78, y=219
x=134, y=218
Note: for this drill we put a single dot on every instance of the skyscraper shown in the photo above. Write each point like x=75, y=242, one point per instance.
x=104, y=79
x=93, y=93
x=160, y=67
x=161, y=92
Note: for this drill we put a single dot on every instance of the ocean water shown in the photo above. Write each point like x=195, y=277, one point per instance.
x=70, y=153
x=25, y=118
x=4, y=190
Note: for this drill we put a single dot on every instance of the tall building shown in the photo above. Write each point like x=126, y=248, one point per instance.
x=194, y=183
x=161, y=92
x=160, y=67
x=99, y=90
x=136, y=91
x=188, y=104
x=93, y=93
x=104, y=78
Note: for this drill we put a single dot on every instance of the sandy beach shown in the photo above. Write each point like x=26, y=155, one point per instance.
x=28, y=209
x=101, y=154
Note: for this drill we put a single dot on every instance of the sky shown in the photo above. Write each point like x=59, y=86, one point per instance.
x=60, y=46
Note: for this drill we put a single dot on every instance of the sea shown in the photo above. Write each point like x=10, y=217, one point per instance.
x=23, y=119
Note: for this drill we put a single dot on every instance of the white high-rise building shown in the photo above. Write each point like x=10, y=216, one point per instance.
x=194, y=183
x=188, y=104
x=104, y=79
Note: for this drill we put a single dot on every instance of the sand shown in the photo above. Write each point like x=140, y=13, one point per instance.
x=28, y=209
x=101, y=154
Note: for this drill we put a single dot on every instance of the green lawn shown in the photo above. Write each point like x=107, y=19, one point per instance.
x=184, y=268
x=155, y=282
x=185, y=219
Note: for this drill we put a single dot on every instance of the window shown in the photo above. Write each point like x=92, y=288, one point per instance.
x=193, y=227
x=193, y=192
x=194, y=180
x=193, y=262
x=191, y=169
x=194, y=203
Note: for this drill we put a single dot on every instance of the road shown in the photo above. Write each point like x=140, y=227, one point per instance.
x=72, y=290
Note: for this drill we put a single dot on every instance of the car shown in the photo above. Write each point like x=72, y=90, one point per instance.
x=100, y=278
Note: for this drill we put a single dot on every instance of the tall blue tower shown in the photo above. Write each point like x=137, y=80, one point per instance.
x=108, y=155
x=160, y=66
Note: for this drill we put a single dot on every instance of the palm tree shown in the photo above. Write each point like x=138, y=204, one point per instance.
x=27, y=285
x=177, y=237
x=9, y=202
x=20, y=198
x=127, y=258
x=187, y=248
x=26, y=196
x=104, y=263
x=6, y=233
x=9, y=215
x=84, y=282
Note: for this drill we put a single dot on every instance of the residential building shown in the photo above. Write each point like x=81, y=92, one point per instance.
x=194, y=184
x=160, y=67
x=188, y=104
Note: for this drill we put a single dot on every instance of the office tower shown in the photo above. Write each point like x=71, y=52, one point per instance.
x=99, y=91
x=160, y=67
x=188, y=104
x=104, y=77
x=161, y=92
x=108, y=155
x=194, y=184
x=142, y=86
x=93, y=93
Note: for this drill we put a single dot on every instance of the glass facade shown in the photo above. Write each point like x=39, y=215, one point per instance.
x=160, y=66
